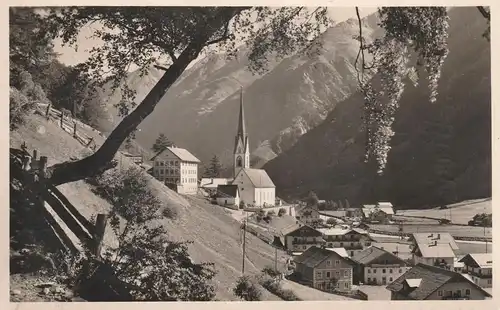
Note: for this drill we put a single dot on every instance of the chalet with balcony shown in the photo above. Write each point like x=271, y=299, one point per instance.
x=352, y=240
x=375, y=266
x=435, y=249
x=479, y=266
x=424, y=282
x=307, y=214
x=301, y=237
x=381, y=212
x=324, y=269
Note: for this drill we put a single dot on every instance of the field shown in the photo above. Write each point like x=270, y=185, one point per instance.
x=216, y=235
x=459, y=213
x=454, y=230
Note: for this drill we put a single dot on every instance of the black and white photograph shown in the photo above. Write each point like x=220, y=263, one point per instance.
x=245, y=153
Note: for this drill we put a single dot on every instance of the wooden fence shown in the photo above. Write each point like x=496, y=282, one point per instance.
x=32, y=171
x=69, y=125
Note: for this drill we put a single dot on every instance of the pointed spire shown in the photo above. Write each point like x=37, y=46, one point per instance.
x=241, y=122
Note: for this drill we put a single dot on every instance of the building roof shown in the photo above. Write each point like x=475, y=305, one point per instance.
x=421, y=281
x=337, y=213
x=303, y=230
x=371, y=254
x=341, y=231
x=227, y=190
x=385, y=207
x=213, y=182
x=481, y=260
x=441, y=238
x=182, y=154
x=314, y=256
x=259, y=178
x=340, y=251
x=439, y=250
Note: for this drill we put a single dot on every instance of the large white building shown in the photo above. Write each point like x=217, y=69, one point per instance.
x=178, y=169
x=255, y=186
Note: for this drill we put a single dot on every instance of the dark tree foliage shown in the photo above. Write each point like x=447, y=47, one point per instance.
x=161, y=143
x=149, y=265
x=214, y=168
x=247, y=289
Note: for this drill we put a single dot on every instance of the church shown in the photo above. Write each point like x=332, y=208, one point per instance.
x=255, y=187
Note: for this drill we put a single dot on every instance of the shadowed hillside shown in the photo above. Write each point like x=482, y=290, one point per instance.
x=440, y=153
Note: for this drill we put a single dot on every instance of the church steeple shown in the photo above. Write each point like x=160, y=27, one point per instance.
x=241, y=122
x=241, y=147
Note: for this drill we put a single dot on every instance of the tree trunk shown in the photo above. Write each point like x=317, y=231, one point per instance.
x=99, y=161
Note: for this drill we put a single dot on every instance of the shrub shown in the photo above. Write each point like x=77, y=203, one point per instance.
x=261, y=212
x=247, y=289
x=331, y=221
x=151, y=268
x=271, y=213
x=281, y=212
x=267, y=219
x=270, y=271
x=275, y=288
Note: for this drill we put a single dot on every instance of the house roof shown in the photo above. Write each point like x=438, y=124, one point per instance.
x=314, y=256
x=421, y=281
x=259, y=178
x=341, y=231
x=213, y=182
x=481, y=260
x=303, y=230
x=182, y=154
x=227, y=190
x=337, y=213
x=385, y=207
x=439, y=250
x=340, y=251
x=372, y=253
x=441, y=238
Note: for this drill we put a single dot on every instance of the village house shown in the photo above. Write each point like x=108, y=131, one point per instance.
x=353, y=240
x=354, y=212
x=436, y=249
x=255, y=186
x=228, y=196
x=178, y=169
x=324, y=270
x=424, y=282
x=210, y=184
x=308, y=214
x=338, y=214
x=135, y=158
x=299, y=238
x=479, y=266
x=375, y=266
x=382, y=212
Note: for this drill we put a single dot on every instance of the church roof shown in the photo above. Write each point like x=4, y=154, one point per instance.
x=182, y=154
x=259, y=178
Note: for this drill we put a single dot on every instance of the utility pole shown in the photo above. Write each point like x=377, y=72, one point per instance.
x=275, y=259
x=244, y=243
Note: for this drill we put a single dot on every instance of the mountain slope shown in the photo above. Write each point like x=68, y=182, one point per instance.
x=215, y=233
x=199, y=111
x=440, y=153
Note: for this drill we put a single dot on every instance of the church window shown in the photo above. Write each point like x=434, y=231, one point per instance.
x=239, y=162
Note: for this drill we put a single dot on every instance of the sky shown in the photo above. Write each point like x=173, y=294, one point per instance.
x=70, y=56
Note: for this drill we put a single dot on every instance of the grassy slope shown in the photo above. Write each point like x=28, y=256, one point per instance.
x=461, y=213
x=215, y=234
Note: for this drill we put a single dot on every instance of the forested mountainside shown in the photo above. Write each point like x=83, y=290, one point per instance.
x=441, y=152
